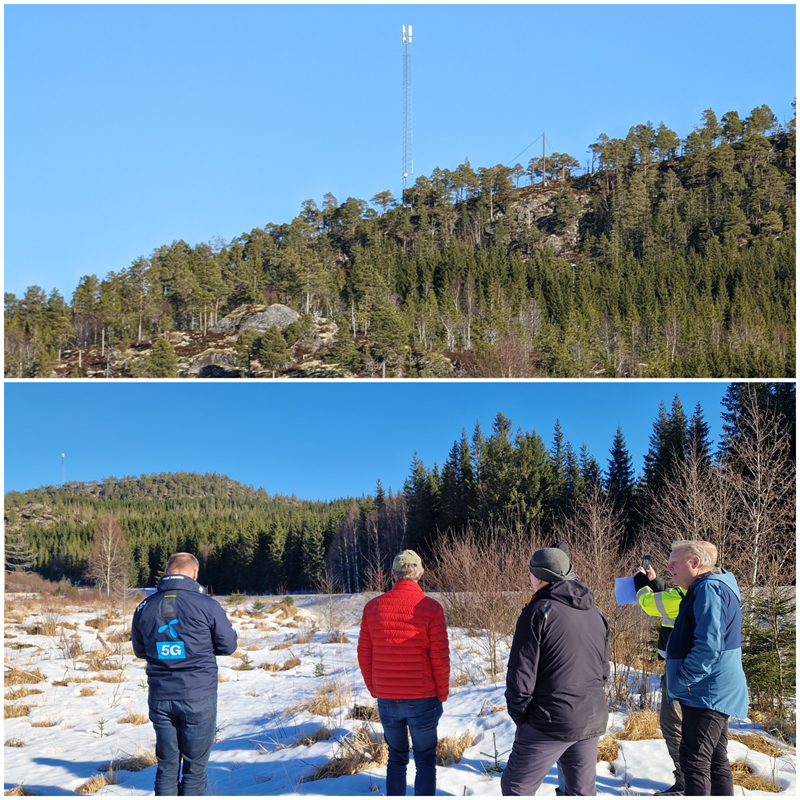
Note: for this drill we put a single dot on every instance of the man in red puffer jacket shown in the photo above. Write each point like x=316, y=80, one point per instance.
x=404, y=657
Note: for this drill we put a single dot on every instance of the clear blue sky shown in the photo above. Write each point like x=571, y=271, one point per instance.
x=128, y=127
x=317, y=440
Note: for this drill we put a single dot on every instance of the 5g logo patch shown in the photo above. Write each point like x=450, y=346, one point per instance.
x=170, y=650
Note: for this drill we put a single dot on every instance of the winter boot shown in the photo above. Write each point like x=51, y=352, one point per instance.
x=677, y=788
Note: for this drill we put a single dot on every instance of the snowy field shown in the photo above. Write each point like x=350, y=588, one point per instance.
x=76, y=701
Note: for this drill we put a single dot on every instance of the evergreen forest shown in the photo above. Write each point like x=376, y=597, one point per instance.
x=498, y=485
x=666, y=257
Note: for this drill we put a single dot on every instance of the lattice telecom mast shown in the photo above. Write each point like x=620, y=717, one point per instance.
x=408, y=159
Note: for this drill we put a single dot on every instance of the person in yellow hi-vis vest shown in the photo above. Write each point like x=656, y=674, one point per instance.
x=659, y=600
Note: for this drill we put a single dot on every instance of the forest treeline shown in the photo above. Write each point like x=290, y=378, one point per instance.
x=670, y=257
x=500, y=483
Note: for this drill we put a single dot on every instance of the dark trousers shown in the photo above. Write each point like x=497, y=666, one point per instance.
x=420, y=718
x=184, y=735
x=670, y=719
x=534, y=755
x=704, y=752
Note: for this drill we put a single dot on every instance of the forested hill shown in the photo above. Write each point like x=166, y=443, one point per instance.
x=240, y=533
x=500, y=483
x=669, y=257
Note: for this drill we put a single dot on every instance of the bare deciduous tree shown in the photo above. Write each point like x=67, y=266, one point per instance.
x=483, y=578
x=761, y=472
x=109, y=563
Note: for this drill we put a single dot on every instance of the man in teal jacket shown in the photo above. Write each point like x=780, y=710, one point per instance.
x=704, y=666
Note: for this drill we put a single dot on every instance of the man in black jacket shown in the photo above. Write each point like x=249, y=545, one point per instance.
x=557, y=671
x=179, y=631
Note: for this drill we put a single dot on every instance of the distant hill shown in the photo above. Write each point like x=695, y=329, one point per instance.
x=669, y=257
x=236, y=530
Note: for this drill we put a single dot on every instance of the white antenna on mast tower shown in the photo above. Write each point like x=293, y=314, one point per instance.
x=408, y=159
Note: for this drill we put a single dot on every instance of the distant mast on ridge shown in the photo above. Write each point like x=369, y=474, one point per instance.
x=408, y=159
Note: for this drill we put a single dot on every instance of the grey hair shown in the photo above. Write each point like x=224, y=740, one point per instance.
x=408, y=574
x=705, y=551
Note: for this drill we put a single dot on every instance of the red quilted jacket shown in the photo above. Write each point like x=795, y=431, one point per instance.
x=403, y=650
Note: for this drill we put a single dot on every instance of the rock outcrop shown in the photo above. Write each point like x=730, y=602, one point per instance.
x=257, y=318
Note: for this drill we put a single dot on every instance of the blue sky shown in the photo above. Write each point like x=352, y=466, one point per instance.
x=317, y=440
x=129, y=127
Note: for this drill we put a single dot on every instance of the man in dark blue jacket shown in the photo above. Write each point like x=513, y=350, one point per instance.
x=704, y=666
x=179, y=631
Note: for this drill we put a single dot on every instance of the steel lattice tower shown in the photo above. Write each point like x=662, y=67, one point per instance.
x=408, y=159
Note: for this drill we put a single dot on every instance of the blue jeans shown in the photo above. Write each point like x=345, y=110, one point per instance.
x=184, y=732
x=420, y=717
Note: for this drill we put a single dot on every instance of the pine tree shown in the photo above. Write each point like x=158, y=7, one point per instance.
x=272, y=351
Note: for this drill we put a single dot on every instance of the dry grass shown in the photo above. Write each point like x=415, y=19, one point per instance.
x=86, y=691
x=44, y=722
x=16, y=675
x=20, y=791
x=363, y=748
x=132, y=762
x=744, y=776
x=24, y=691
x=113, y=677
x=321, y=734
x=98, y=660
x=98, y=623
x=294, y=661
x=134, y=718
x=450, y=749
x=337, y=637
x=97, y=782
x=13, y=741
x=641, y=725
x=327, y=698
x=270, y=667
x=786, y=731
x=120, y=636
x=368, y=713
x=608, y=749
x=220, y=679
x=15, y=711
x=489, y=707
x=460, y=678
x=760, y=744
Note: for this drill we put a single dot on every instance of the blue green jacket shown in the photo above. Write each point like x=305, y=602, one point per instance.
x=704, y=652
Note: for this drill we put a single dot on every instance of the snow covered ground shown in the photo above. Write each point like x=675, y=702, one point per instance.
x=76, y=718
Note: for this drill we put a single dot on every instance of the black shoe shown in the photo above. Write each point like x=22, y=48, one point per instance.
x=676, y=789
